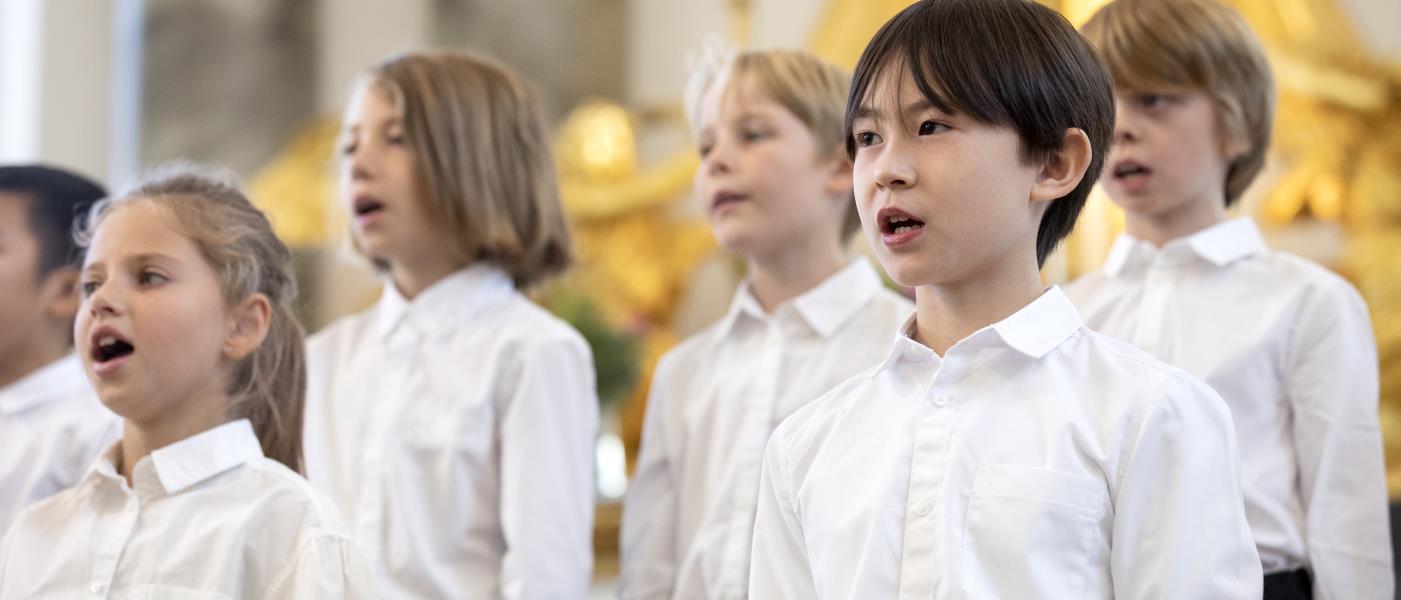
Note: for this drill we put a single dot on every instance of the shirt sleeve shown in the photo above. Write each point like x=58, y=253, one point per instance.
x=1179, y=516
x=327, y=566
x=1333, y=392
x=548, y=433
x=648, y=549
x=779, y=566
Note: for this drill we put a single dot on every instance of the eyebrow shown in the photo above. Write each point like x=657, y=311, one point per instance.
x=866, y=111
x=145, y=257
x=389, y=121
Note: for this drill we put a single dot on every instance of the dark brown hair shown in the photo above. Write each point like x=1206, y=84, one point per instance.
x=1002, y=62
x=56, y=200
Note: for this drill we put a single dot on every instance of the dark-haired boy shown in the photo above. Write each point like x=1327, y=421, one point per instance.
x=51, y=424
x=1002, y=450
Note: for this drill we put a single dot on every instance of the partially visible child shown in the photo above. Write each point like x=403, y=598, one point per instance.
x=776, y=185
x=1286, y=343
x=186, y=331
x=52, y=425
x=1002, y=449
x=455, y=421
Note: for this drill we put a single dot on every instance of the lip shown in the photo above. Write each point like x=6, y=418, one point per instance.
x=724, y=201
x=363, y=202
x=105, y=368
x=1130, y=183
x=894, y=240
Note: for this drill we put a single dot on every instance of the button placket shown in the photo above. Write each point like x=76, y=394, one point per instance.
x=758, y=416
x=390, y=392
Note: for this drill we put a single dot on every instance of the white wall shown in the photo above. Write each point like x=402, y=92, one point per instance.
x=56, y=77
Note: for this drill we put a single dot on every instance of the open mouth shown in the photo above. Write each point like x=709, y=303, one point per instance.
x=366, y=206
x=108, y=347
x=1129, y=169
x=724, y=199
x=896, y=222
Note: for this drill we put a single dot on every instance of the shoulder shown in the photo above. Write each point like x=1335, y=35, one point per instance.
x=283, y=497
x=340, y=335
x=1135, y=383
x=1085, y=285
x=808, y=427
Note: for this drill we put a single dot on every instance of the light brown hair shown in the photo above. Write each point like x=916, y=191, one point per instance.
x=810, y=88
x=484, y=160
x=1196, y=44
x=267, y=387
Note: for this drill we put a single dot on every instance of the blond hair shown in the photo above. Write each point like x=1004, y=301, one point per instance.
x=484, y=162
x=810, y=88
x=267, y=387
x=1196, y=44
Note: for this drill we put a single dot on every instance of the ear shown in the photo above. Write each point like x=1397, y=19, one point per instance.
x=1234, y=146
x=839, y=177
x=59, y=293
x=248, y=325
x=1064, y=168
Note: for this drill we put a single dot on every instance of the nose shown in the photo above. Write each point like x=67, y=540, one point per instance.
x=893, y=169
x=717, y=159
x=102, y=302
x=360, y=162
x=1126, y=129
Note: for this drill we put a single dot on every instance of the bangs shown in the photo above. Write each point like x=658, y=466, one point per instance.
x=1146, y=48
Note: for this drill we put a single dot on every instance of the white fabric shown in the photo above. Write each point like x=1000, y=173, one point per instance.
x=457, y=434
x=52, y=427
x=1289, y=346
x=1037, y=459
x=207, y=517
x=715, y=399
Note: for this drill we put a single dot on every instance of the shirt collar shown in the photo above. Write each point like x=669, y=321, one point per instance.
x=1034, y=330
x=185, y=463
x=460, y=294
x=1039, y=327
x=1221, y=244
x=205, y=454
x=1228, y=241
x=824, y=308
x=56, y=379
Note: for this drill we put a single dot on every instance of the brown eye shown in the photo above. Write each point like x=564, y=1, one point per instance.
x=931, y=127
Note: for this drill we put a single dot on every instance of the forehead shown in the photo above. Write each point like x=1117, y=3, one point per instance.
x=373, y=102
x=14, y=211
x=737, y=94
x=136, y=228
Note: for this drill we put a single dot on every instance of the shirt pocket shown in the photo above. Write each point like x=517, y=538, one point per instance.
x=1031, y=533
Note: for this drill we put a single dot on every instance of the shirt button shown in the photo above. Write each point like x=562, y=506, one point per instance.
x=96, y=587
x=922, y=510
x=941, y=400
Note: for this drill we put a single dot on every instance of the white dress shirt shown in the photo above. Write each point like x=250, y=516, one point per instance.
x=208, y=517
x=1036, y=459
x=52, y=427
x=1289, y=346
x=456, y=431
x=715, y=399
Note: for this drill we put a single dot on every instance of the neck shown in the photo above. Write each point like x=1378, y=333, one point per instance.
x=1189, y=218
x=947, y=313
x=31, y=356
x=204, y=411
x=412, y=277
x=793, y=270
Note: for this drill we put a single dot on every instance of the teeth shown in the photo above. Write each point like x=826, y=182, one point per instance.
x=106, y=341
x=905, y=228
x=897, y=219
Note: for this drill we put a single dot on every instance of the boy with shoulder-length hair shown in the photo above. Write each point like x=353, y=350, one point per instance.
x=1003, y=449
x=1286, y=343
